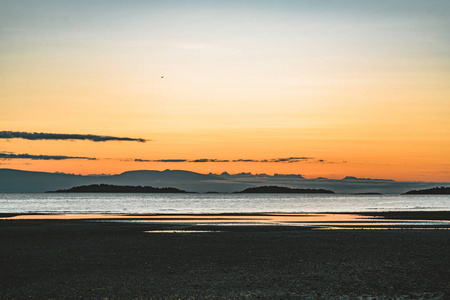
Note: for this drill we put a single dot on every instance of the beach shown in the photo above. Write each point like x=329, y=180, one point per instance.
x=113, y=258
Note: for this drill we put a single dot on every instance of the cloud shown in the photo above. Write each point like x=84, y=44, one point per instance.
x=245, y=160
x=292, y=159
x=322, y=161
x=161, y=160
x=5, y=155
x=169, y=160
x=63, y=136
x=208, y=160
x=202, y=160
x=138, y=160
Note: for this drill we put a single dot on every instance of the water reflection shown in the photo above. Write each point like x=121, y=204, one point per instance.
x=313, y=220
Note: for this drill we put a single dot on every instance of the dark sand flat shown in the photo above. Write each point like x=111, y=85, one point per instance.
x=97, y=259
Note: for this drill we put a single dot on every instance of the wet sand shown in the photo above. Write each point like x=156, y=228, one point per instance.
x=97, y=259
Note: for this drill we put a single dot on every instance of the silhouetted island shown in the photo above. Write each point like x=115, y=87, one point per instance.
x=281, y=189
x=442, y=190
x=110, y=188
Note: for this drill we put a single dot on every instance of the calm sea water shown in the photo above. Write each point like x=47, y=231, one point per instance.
x=216, y=203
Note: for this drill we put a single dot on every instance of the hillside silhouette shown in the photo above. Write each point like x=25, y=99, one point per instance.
x=284, y=190
x=19, y=181
x=110, y=188
x=433, y=191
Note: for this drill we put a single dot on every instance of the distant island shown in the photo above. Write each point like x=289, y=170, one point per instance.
x=109, y=188
x=433, y=191
x=283, y=190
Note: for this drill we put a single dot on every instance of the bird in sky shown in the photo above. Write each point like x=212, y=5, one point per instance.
x=162, y=76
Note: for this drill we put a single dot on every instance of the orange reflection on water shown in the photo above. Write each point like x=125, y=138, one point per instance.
x=313, y=220
x=223, y=218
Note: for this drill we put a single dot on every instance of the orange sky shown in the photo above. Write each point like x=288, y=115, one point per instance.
x=362, y=91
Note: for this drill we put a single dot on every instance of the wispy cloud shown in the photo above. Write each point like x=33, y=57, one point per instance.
x=293, y=159
x=64, y=136
x=160, y=160
x=202, y=160
x=6, y=155
x=322, y=161
x=247, y=160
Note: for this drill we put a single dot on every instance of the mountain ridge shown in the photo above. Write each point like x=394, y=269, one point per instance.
x=21, y=181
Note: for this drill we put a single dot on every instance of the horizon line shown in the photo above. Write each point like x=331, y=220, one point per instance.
x=219, y=174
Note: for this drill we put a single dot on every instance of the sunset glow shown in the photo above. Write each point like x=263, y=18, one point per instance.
x=350, y=88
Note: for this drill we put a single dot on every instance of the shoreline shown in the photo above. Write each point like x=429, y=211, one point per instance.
x=113, y=258
x=407, y=213
x=335, y=221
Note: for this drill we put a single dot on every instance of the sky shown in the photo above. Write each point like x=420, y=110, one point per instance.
x=319, y=88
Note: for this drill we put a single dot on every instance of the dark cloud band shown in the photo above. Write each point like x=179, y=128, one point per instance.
x=293, y=159
x=63, y=136
x=161, y=160
x=203, y=160
x=40, y=157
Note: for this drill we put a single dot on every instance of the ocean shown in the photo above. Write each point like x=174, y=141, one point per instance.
x=216, y=203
